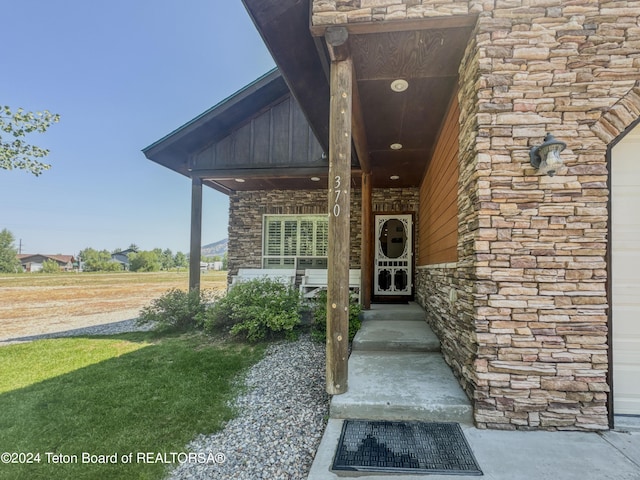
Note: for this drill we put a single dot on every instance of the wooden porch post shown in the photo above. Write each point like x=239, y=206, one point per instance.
x=196, y=233
x=339, y=229
x=367, y=243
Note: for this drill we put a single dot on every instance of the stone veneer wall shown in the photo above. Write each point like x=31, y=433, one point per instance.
x=537, y=245
x=440, y=290
x=246, y=210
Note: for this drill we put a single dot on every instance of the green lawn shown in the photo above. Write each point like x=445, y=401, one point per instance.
x=124, y=394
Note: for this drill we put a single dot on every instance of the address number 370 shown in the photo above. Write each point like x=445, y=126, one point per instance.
x=338, y=191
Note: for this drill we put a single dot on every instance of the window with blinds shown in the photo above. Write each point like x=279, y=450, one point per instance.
x=295, y=241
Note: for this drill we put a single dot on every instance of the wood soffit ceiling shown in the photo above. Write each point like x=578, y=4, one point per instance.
x=428, y=60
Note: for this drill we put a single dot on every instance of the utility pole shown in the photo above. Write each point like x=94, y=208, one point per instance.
x=20, y=247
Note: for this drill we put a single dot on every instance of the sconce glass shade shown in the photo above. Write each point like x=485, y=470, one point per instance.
x=546, y=157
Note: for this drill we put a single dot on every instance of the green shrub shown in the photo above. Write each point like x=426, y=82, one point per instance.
x=177, y=310
x=50, y=266
x=255, y=310
x=319, y=326
x=144, y=262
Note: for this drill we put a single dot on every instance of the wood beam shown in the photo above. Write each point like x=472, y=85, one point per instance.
x=196, y=233
x=336, y=38
x=366, y=254
x=247, y=173
x=337, y=46
x=340, y=116
x=217, y=186
x=363, y=28
x=323, y=55
x=359, y=130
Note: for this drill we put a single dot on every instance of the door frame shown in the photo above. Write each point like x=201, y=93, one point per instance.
x=393, y=298
x=610, y=273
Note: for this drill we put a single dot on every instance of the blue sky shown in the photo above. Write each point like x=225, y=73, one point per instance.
x=122, y=74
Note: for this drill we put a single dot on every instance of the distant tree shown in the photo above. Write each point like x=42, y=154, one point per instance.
x=134, y=247
x=98, y=261
x=225, y=262
x=91, y=259
x=15, y=152
x=166, y=259
x=111, y=266
x=144, y=262
x=9, y=262
x=181, y=260
x=116, y=250
x=50, y=266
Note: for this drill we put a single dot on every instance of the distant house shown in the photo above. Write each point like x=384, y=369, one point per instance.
x=215, y=266
x=204, y=266
x=32, y=262
x=122, y=257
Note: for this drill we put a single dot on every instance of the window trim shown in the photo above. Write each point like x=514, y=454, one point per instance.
x=299, y=261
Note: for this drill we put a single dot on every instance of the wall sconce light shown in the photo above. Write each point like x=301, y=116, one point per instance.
x=546, y=157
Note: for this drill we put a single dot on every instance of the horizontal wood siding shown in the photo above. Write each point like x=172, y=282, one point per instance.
x=277, y=137
x=438, y=225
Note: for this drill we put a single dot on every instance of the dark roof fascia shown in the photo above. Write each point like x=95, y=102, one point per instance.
x=59, y=258
x=284, y=26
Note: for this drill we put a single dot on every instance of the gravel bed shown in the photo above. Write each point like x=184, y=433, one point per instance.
x=282, y=416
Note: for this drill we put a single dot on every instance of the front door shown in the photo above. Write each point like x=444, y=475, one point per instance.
x=393, y=255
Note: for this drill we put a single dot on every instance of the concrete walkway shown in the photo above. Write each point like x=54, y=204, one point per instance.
x=519, y=456
x=396, y=372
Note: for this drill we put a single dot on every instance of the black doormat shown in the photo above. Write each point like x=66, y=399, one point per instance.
x=404, y=447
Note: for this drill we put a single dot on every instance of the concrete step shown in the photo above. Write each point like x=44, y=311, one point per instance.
x=396, y=335
x=393, y=312
x=401, y=386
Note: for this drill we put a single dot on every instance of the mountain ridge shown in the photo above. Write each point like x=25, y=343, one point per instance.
x=218, y=248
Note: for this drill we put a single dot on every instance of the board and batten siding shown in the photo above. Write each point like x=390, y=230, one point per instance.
x=277, y=137
x=438, y=225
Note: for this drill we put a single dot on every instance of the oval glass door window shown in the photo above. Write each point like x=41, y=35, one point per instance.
x=393, y=238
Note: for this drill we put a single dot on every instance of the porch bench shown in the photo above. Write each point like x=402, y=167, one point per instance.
x=316, y=280
x=285, y=276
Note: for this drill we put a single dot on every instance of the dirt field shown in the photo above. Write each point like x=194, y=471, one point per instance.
x=32, y=304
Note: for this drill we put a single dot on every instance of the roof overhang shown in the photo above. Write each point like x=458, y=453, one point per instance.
x=424, y=52
x=174, y=150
